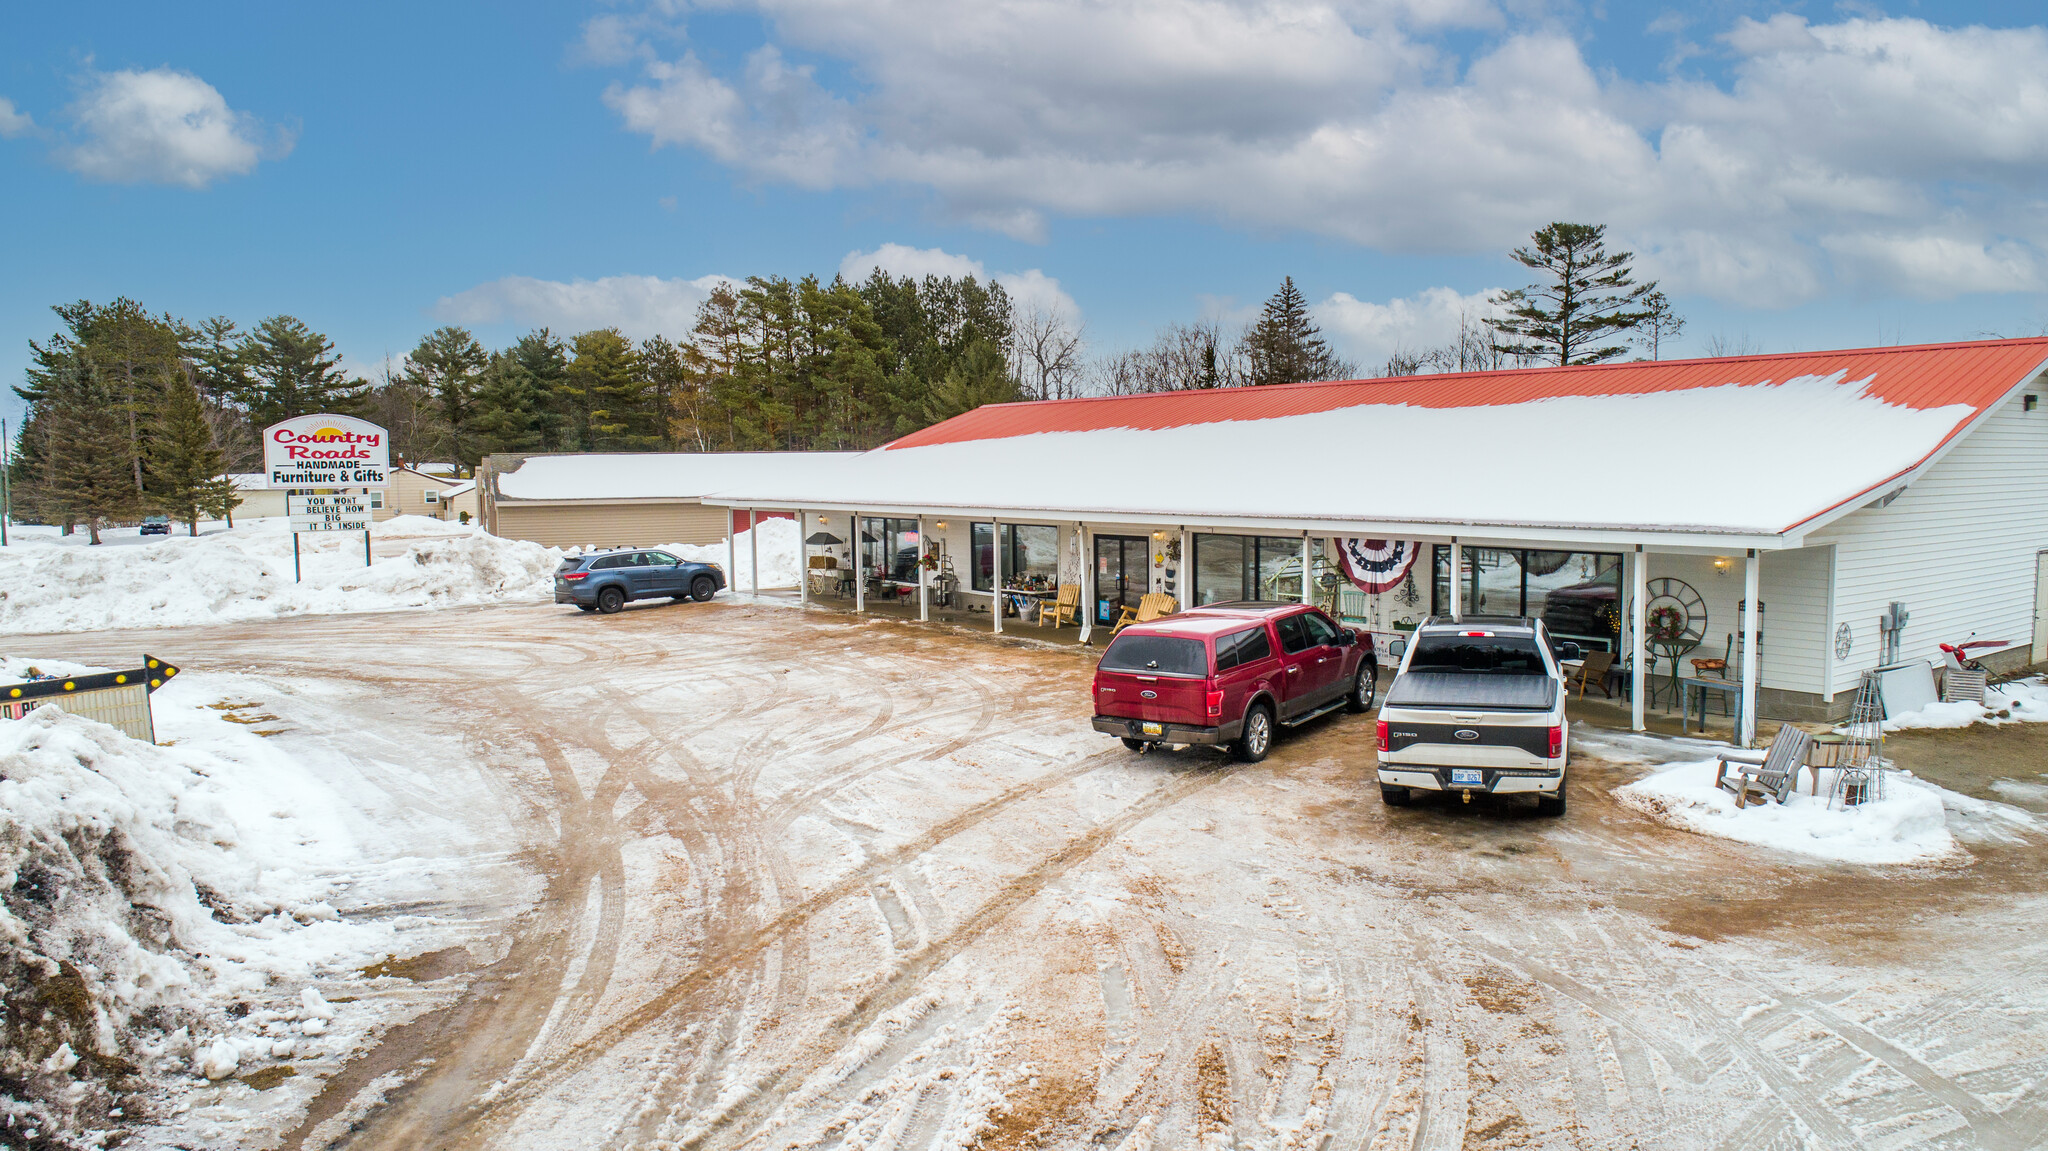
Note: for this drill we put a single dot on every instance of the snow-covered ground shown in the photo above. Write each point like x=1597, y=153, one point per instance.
x=1908, y=825
x=2018, y=701
x=183, y=911
x=53, y=583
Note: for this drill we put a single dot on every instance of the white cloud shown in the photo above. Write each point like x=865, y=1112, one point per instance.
x=13, y=123
x=1358, y=121
x=161, y=127
x=639, y=306
x=1368, y=333
x=1032, y=288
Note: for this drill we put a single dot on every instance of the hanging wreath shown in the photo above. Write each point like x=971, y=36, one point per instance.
x=1675, y=614
x=1374, y=566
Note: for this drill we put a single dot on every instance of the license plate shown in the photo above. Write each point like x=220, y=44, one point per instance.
x=1152, y=729
x=1467, y=777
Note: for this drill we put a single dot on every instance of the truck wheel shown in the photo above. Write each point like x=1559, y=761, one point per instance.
x=703, y=588
x=611, y=600
x=1363, y=690
x=1257, y=739
x=1551, y=805
x=1395, y=796
x=1134, y=744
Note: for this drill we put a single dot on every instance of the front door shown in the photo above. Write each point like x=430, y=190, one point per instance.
x=2041, y=608
x=1122, y=574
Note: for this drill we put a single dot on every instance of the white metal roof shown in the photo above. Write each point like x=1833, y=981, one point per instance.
x=663, y=475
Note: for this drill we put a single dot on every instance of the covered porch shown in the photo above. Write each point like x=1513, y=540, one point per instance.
x=999, y=572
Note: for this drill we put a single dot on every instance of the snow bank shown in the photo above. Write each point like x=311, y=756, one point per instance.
x=1907, y=826
x=246, y=574
x=2021, y=701
x=165, y=907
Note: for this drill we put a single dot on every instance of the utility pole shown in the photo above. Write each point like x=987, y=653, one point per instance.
x=6, y=492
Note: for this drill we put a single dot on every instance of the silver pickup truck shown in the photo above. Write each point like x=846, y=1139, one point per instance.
x=1477, y=705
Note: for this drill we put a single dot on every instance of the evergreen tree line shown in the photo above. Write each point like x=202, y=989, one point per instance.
x=131, y=413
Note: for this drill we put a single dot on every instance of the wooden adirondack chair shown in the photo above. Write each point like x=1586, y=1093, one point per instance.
x=1770, y=773
x=1593, y=671
x=1153, y=606
x=1065, y=609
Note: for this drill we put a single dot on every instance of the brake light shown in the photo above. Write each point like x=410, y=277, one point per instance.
x=1383, y=735
x=576, y=575
x=1215, y=703
x=1557, y=741
x=1478, y=634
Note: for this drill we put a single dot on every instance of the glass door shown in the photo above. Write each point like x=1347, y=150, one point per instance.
x=1122, y=574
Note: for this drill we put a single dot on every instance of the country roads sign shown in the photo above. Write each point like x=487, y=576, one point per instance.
x=326, y=451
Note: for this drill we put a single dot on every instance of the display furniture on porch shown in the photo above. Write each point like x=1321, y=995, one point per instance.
x=1593, y=668
x=1859, y=770
x=1689, y=690
x=1066, y=607
x=1768, y=774
x=1153, y=605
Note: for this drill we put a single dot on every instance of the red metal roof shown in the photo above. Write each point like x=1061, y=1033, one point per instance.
x=1976, y=373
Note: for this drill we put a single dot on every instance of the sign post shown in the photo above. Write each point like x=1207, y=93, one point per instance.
x=325, y=452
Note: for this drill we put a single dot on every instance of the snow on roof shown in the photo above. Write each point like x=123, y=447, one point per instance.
x=1752, y=445
x=660, y=475
x=458, y=488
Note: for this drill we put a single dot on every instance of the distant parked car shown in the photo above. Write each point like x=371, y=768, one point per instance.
x=155, y=526
x=1228, y=673
x=604, y=581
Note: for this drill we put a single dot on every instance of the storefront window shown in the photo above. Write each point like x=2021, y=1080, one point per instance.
x=889, y=547
x=1031, y=556
x=1246, y=567
x=1577, y=595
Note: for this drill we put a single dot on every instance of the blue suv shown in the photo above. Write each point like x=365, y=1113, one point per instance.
x=604, y=581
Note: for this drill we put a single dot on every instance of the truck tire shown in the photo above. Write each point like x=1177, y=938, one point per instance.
x=1551, y=805
x=703, y=588
x=1364, y=689
x=1257, y=738
x=611, y=601
x=1395, y=796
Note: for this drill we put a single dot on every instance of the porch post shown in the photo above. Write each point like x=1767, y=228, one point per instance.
x=1087, y=582
x=753, y=552
x=1750, y=575
x=1638, y=591
x=924, y=583
x=732, y=552
x=1184, y=591
x=1457, y=584
x=1306, y=595
x=995, y=578
x=803, y=556
x=860, y=562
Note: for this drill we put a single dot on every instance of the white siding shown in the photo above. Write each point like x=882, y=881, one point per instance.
x=1957, y=548
x=1794, y=590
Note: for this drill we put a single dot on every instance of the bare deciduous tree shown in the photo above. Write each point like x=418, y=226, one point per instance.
x=1046, y=350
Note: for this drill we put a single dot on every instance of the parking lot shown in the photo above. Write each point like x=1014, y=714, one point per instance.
x=809, y=880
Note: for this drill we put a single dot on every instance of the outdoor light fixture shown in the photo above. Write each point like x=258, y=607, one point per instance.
x=942, y=525
x=1721, y=565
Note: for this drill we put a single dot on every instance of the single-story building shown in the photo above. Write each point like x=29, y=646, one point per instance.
x=411, y=492
x=1625, y=504
x=629, y=499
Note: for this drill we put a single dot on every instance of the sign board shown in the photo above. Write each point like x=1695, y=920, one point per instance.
x=329, y=513
x=120, y=698
x=326, y=451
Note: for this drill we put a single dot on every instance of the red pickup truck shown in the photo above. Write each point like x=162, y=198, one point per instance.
x=1226, y=673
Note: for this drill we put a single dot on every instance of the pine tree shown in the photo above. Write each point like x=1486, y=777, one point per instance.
x=183, y=461
x=219, y=498
x=87, y=445
x=448, y=364
x=1589, y=296
x=1284, y=346
x=512, y=403
x=294, y=372
x=980, y=376
x=1660, y=323
x=615, y=410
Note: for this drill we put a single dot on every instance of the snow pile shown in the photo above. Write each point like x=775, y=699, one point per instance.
x=1906, y=826
x=146, y=929
x=2021, y=701
x=247, y=574
x=782, y=550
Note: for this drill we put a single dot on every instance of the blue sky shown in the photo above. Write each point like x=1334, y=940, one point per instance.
x=1798, y=176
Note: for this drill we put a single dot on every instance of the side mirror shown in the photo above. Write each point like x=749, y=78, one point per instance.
x=1346, y=637
x=1398, y=648
x=1567, y=650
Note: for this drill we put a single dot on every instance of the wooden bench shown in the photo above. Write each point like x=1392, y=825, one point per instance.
x=1770, y=773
